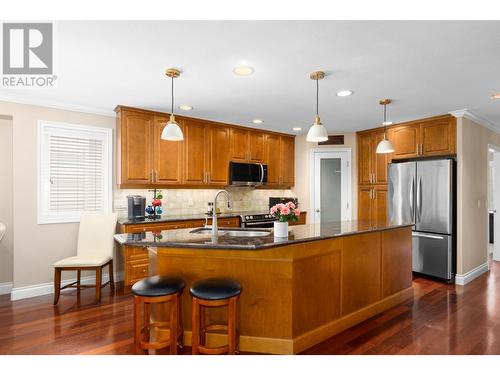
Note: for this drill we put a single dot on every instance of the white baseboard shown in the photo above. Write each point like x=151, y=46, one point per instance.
x=471, y=275
x=48, y=288
x=5, y=288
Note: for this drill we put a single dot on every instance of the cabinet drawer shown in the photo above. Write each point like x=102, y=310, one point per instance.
x=302, y=220
x=136, y=270
x=226, y=222
x=157, y=227
x=135, y=253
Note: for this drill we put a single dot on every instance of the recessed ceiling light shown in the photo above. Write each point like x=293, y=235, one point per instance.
x=257, y=121
x=186, y=107
x=345, y=93
x=495, y=96
x=297, y=129
x=243, y=70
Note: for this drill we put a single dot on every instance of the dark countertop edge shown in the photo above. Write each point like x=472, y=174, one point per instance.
x=204, y=246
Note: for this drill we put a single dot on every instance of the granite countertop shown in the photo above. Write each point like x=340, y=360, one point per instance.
x=183, y=238
x=167, y=218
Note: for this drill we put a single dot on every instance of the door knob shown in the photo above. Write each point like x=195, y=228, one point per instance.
x=317, y=209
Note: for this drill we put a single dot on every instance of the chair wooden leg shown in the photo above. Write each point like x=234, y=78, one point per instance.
x=78, y=278
x=137, y=325
x=203, y=335
x=57, y=284
x=98, y=283
x=174, y=310
x=231, y=325
x=111, y=276
x=180, y=332
x=195, y=327
x=147, y=321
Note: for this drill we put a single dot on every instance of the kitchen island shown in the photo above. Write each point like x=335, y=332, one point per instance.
x=297, y=291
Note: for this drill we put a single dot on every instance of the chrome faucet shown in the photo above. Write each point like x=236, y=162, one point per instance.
x=214, y=214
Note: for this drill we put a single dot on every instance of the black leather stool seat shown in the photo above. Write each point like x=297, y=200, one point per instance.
x=215, y=288
x=157, y=286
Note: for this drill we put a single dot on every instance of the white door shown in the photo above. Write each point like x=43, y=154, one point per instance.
x=331, y=193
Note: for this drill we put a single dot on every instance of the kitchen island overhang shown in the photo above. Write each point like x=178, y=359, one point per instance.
x=299, y=291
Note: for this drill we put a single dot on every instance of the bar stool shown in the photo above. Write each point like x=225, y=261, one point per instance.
x=157, y=289
x=214, y=292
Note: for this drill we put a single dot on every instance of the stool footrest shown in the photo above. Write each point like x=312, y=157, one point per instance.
x=216, y=350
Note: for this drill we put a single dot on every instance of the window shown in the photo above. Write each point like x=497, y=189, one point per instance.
x=74, y=171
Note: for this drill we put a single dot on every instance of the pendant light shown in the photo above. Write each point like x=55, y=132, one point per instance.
x=385, y=146
x=172, y=131
x=317, y=132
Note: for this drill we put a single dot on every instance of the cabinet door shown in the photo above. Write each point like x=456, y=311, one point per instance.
x=379, y=166
x=364, y=203
x=238, y=144
x=218, y=158
x=439, y=137
x=256, y=142
x=379, y=203
x=364, y=158
x=194, y=153
x=287, y=161
x=273, y=159
x=136, y=141
x=167, y=156
x=405, y=139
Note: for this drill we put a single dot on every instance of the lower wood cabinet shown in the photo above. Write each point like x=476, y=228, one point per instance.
x=136, y=260
x=372, y=202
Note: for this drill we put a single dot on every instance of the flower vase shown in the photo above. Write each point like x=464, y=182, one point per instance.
x=281, y=229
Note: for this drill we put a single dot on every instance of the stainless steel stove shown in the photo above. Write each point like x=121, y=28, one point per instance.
x=256, y=220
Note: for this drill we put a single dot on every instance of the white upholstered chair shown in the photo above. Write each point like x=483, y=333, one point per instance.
x=94, y=252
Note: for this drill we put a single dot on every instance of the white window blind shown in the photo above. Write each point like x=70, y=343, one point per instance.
x=75, y=167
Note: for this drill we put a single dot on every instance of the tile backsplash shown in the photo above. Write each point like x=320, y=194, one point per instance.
x=194, y=201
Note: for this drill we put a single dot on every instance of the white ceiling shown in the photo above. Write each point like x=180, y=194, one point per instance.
x=427, y=68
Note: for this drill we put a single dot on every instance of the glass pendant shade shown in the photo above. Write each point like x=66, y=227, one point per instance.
x=385, y=147
x=172, y=131
x=317, y=132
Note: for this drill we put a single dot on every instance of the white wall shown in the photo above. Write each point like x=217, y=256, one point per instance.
x=6, y=194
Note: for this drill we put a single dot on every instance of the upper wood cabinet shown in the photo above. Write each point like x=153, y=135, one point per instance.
x=247, y=145
x=202, y=158
x=135, y=140
x=428, y=137
x=372, y=167
x=167, y=156
x=218, y=155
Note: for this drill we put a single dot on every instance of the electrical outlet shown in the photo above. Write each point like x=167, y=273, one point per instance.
x=479, y=203
x=190, y=202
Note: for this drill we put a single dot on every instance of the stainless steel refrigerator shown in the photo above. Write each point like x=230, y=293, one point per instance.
x=423, y=192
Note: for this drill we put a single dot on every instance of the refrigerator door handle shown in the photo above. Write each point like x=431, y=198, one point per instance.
x=434, y=237
x=412, y=209
x=419, y=199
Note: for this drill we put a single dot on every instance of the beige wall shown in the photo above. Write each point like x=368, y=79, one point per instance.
x=472, y=193
x=37, y=247
x=303, y=172
x=6, y=187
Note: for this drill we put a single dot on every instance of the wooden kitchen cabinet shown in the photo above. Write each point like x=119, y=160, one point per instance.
x=372, y=167
x=372, y=203
x=247, y=146
x=202, y=158
x=135, y=140
x=195, y=151
x=365, y=203
x=428, y=137
x=287, y=154
x=168, y=156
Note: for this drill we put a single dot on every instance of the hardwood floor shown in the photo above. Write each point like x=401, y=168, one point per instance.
x=442, y=319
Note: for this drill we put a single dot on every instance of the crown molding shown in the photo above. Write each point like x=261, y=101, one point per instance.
x=10, y=98
x=478, y=119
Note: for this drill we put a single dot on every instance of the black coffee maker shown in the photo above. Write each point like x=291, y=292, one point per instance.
x=136, y=207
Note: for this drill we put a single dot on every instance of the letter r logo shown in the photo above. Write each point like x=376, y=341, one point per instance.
x=27, y=48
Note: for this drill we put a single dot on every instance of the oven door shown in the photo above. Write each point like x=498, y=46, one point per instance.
x=258, y=224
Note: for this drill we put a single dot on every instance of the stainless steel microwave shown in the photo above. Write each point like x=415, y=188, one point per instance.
x=247, y=174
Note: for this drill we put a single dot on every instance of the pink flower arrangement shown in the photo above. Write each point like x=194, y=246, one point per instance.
x=285, y=212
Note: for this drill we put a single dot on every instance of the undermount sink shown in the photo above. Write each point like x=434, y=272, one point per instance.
x=233, y=232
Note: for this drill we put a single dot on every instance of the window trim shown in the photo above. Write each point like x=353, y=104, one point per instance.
x=107, y=133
